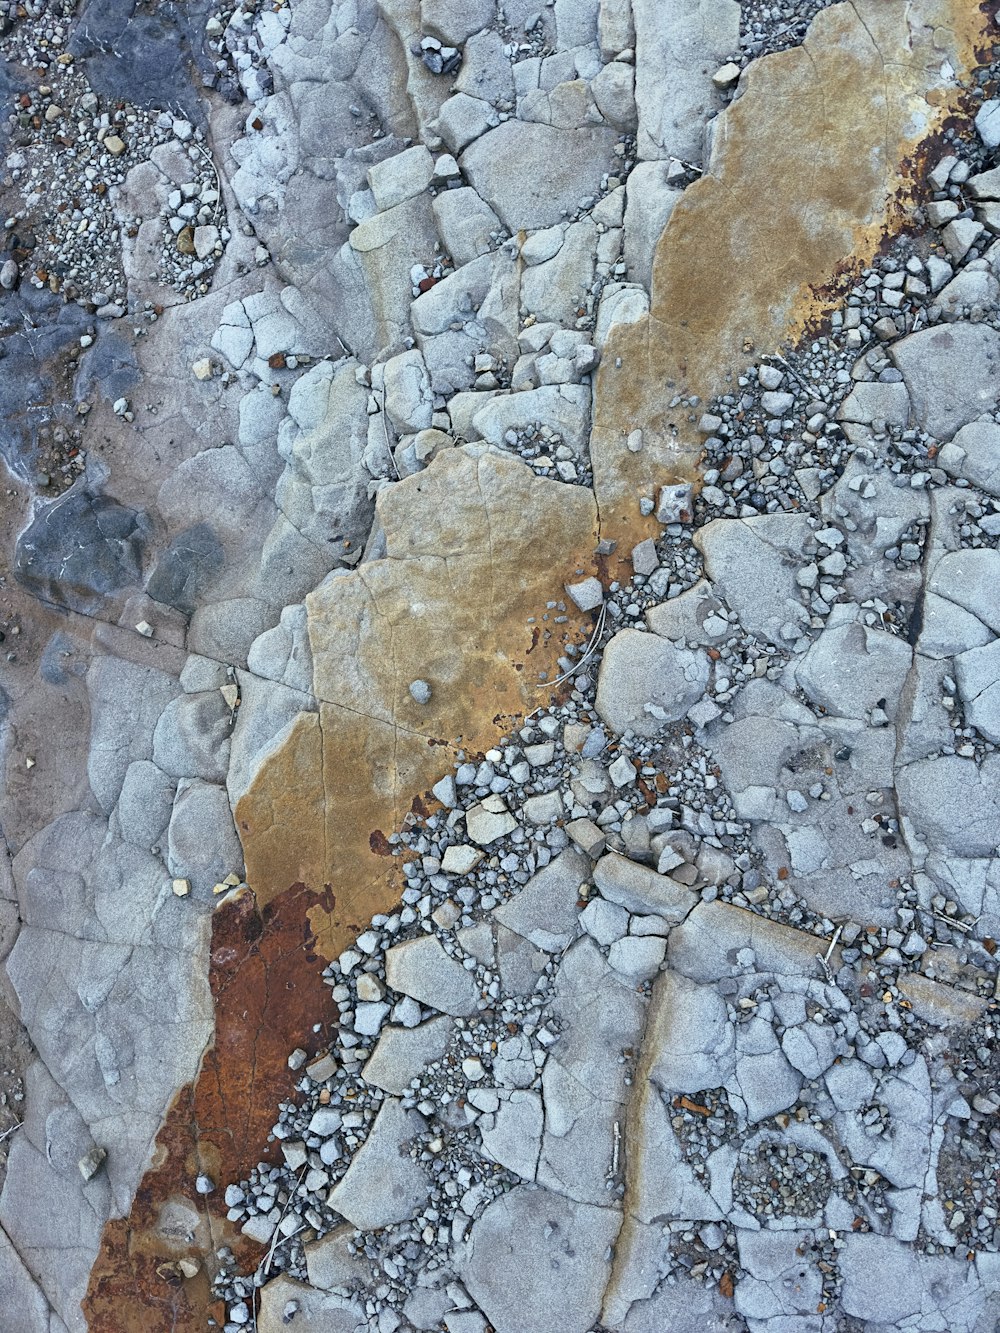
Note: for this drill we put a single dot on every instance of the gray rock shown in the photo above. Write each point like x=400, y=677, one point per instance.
x=515, y=1138
x=398, y=178
x=753, y=565
x=384, y=1184
x=545, y=910
x=850, y=1085
x=694, y=616
x=871, y=401
x=974, y=453
x=952, y=804
x=850, y=668
x=969, y=579
x=882, y=1281
x=767, y=1084
x=604, y=921
x=637, y=957
x=125, y=702
x=466, y=223
x=202, y=844
x=977, y=673
x=556, y=169
x=452, y=21
x=422, y=969
x=311, y=1310
x=531, y=1240
x=810, y=1048
x=79, y=550
x=403, y=1053
x=184, y=572
x=145, y=803
x=489, y=820
x=588, y=594
x=690, y=1040
x=192, y=737
x=408, y=399
x=650, y=200
x=485, y=71
x=645, y=681
x=781, y=1284
x=680, y=49
x=952, y=373
x=641, y=890
x=463, y=119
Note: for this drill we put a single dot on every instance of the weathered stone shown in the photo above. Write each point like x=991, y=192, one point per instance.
x=545, y=910
x=421, y=968
x=512, y=540
x=952, y=374
x=383, y=1184
x=646, y=681
x=555, y=170
x=639, y=889
x=531, y=1240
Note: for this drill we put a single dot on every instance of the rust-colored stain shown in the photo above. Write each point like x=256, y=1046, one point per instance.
x=268, y=993
x=811, y=168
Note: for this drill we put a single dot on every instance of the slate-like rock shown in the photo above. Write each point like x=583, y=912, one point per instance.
x=403, y=1053
x=531, y=1241
x=555, y=169
x=641, y=890
x=79, y=550
x=850, y=668
x=384, y=1184
x=545, y=910
x=184, y=572
x=421, y=968
x=645, y=682
x=753, y=565
x=952, y=372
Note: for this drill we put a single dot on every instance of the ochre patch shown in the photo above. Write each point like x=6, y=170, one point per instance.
x=475, y=549
x=810, y=170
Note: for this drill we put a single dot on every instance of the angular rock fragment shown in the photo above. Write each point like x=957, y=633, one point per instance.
x=383, y=1184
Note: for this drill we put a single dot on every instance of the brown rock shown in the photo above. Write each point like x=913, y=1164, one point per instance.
x=476, y=546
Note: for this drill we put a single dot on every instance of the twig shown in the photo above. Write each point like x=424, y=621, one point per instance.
x=10, y=1129
x=833, y=945
x=824, y=958
x=959, y=925
x=617, y=1147
x=274, y=1239
x=385, y=432
x=591, y=649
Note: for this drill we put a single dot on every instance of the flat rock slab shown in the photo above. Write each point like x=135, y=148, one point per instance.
x=646, y=681
x=639, y=889
x=752, y=564
x=539, y=1263
x=545, y=910
x=340, y=777
x=421, y=968
x=530, y=173
x=952, y=373
x=852, y=668
x=384, y=1184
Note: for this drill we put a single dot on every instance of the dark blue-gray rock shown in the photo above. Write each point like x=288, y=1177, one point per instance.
x=80, y=549
x=186, y=568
